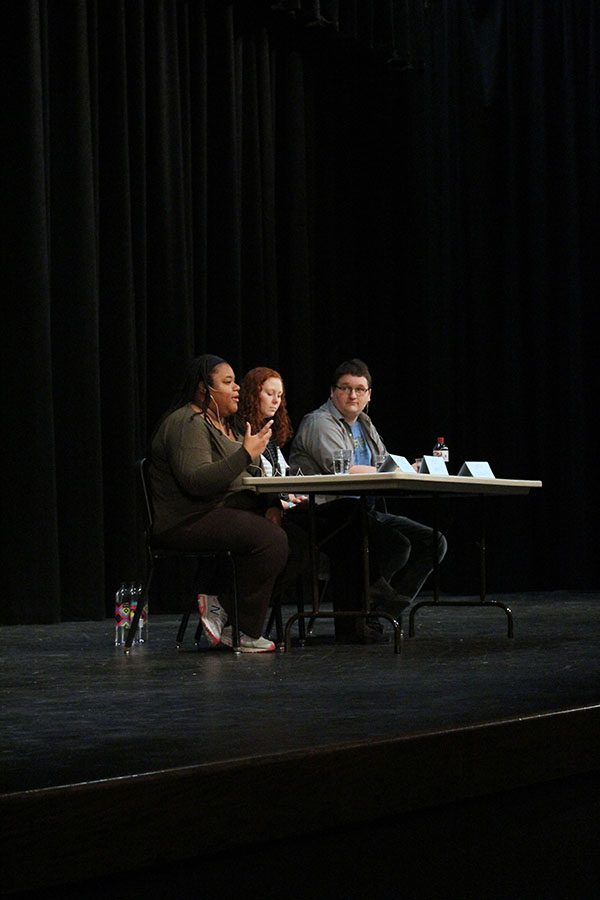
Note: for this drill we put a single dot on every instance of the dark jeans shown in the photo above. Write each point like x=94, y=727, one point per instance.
x=400, y=551
x=403, y=551
x=268, y=558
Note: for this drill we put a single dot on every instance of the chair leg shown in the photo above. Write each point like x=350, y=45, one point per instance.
x=182, y=627
x=142, y=601
x=193, y=606
x=235, y=626
x=278, y=623
x=300, y=607
x=270, y=622
x=323, y=584
x=276, y=616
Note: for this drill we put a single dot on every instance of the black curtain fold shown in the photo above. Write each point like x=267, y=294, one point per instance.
x=122, y=267
x=512, y=201
x=291, y=184
x=29, y=498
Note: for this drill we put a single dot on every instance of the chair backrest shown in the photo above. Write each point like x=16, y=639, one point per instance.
x=142, y=467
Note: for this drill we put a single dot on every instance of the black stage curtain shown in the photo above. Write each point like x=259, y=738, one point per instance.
x=292, y=184
x=511, y=138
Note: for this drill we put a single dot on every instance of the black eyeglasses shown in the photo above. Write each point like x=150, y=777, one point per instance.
x=348, y=389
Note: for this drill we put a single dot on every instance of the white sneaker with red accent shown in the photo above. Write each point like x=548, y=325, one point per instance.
x=212, y=616
x=247, y=644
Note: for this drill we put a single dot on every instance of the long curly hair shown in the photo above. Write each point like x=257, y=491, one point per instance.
x=249, y=408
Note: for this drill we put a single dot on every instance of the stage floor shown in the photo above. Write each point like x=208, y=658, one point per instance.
x=164, y=756
x=75, y=709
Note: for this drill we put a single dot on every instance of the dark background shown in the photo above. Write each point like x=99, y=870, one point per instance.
x=414, y=182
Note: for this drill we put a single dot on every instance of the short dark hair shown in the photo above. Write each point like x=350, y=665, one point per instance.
x=351, y=367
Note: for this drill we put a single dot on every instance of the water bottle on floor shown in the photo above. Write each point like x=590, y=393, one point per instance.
x=122, y=610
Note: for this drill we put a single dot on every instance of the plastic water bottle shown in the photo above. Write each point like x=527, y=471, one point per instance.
x=122, y=611
x=135, y=591
x=440, y=449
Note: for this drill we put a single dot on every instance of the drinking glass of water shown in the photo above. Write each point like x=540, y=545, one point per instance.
x=342, y=459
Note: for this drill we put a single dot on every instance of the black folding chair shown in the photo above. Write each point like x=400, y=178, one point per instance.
x=155, y=553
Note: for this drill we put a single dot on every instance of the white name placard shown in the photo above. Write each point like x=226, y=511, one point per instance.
x=479, y=469
x=403, y=464
x=433, y=465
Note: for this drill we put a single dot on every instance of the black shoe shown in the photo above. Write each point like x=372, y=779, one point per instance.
x=361, y=631
x=383, y=596
x=370, y=632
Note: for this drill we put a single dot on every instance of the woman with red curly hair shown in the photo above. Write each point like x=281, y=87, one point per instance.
x=262, y=399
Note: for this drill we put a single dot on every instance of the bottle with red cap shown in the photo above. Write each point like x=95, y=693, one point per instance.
x=440, y=449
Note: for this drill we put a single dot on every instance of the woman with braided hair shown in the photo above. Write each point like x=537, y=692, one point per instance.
x=199, y=457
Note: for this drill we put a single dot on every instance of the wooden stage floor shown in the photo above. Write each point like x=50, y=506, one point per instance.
x=191, y=754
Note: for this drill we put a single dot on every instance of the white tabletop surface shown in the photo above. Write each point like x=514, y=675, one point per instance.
x=378, y=482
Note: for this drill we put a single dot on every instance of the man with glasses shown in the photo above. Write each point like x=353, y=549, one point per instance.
x=401, y=550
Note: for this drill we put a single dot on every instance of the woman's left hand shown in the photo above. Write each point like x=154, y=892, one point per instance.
x=299, y=499
x=293, y=500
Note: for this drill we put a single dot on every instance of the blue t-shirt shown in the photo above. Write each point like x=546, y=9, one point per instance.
x=362, y=453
